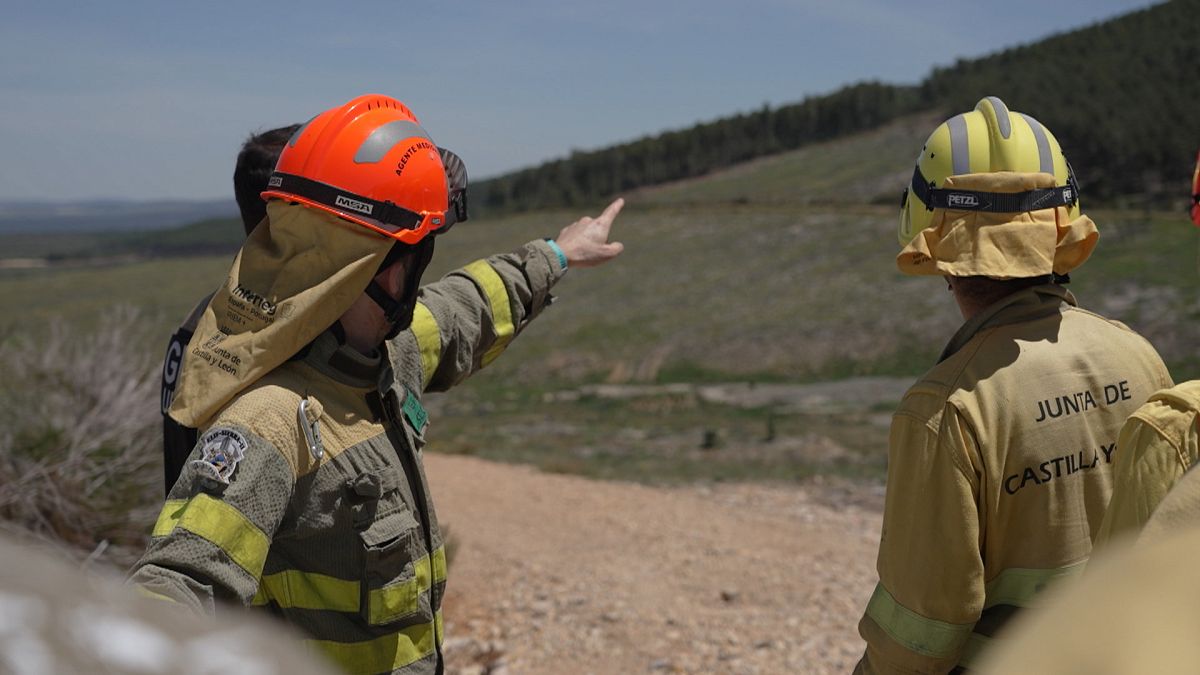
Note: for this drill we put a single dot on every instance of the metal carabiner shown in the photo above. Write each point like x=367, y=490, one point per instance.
x=312, y=432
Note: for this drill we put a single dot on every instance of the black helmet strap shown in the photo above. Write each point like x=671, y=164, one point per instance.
x=388, y=215
x=994, y=202
x=399, y=313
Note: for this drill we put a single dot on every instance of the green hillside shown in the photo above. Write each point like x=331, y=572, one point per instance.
x=872, y=166
x=1120, y=96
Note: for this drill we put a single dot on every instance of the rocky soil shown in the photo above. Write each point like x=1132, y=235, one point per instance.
x=561, y=574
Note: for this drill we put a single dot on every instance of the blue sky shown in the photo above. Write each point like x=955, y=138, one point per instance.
x=151, y=100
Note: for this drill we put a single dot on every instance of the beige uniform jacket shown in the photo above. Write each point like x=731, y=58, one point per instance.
x=1133, y=613
x=1157, y=445
x=306, y=494
x=998, y=474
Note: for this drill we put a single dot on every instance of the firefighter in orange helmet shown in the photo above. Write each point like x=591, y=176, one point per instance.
x=305, y=493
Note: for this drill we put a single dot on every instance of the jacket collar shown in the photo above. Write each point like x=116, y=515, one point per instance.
x=331, y=357
x=1029, y=304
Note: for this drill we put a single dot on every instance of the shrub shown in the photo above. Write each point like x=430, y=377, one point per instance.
x=79, y=436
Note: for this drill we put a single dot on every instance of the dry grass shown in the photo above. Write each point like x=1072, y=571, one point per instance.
x=79, y=437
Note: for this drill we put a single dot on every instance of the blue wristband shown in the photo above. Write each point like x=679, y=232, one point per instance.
x=562, y=257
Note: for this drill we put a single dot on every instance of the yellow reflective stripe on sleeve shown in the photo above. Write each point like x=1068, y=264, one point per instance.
x=389, y=603
x=309, y=590
x=1017, y=586
x=429, y=341
x=439, y=565
x=493, y=287
x=381, y=655
x=168, y=517
x=226, y=527
x=441, y=627
x=914, y=632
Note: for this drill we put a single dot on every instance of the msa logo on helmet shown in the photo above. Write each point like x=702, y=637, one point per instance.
x=353, y=205
x=275, y=181
x=956, y=200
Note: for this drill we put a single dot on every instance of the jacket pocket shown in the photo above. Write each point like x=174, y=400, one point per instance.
x=396, y=569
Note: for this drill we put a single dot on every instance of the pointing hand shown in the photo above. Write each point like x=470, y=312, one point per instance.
x=585, y=241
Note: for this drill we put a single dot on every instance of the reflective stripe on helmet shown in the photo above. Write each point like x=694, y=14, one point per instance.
x=960, y=146
x=1045, y=159
x=1002, y=118
x=386, y=137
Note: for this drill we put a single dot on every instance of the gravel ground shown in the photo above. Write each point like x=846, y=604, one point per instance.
x=561, y=574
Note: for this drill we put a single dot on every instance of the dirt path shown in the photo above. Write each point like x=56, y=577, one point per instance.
x=560, y=574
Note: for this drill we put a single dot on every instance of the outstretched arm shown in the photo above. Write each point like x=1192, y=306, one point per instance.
x=466, y=320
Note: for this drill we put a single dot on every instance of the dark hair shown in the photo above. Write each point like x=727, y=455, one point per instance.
x=255, y=163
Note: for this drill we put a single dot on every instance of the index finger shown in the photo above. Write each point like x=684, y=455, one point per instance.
x=612, y=210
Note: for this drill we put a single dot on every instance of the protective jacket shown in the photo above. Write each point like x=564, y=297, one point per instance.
x=1157, y=446
x=1134, y=611
x=998, y=474
x=306, y=494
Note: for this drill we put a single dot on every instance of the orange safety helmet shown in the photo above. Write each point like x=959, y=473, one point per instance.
x=369, y=162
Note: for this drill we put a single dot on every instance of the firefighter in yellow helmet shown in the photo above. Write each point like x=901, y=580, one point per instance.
x=999, y=456
x=1158, y=444
x=305, y=492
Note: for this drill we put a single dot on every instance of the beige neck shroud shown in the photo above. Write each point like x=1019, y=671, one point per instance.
x=296, y=274
x=1000, y=245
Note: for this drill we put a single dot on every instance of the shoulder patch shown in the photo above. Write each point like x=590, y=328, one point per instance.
x=221, y=448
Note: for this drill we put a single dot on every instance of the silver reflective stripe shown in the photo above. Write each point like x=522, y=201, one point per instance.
x=385, y=138
x=1001, y=116
x=960, y=152
x=296, y=136
x=1044, y=158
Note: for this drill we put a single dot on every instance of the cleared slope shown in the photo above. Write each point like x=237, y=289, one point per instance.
x=858, y=169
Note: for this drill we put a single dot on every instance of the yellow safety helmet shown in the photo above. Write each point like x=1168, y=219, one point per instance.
x=989, y=139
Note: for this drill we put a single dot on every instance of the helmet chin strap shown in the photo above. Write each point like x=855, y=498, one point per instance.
x=399, y=313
